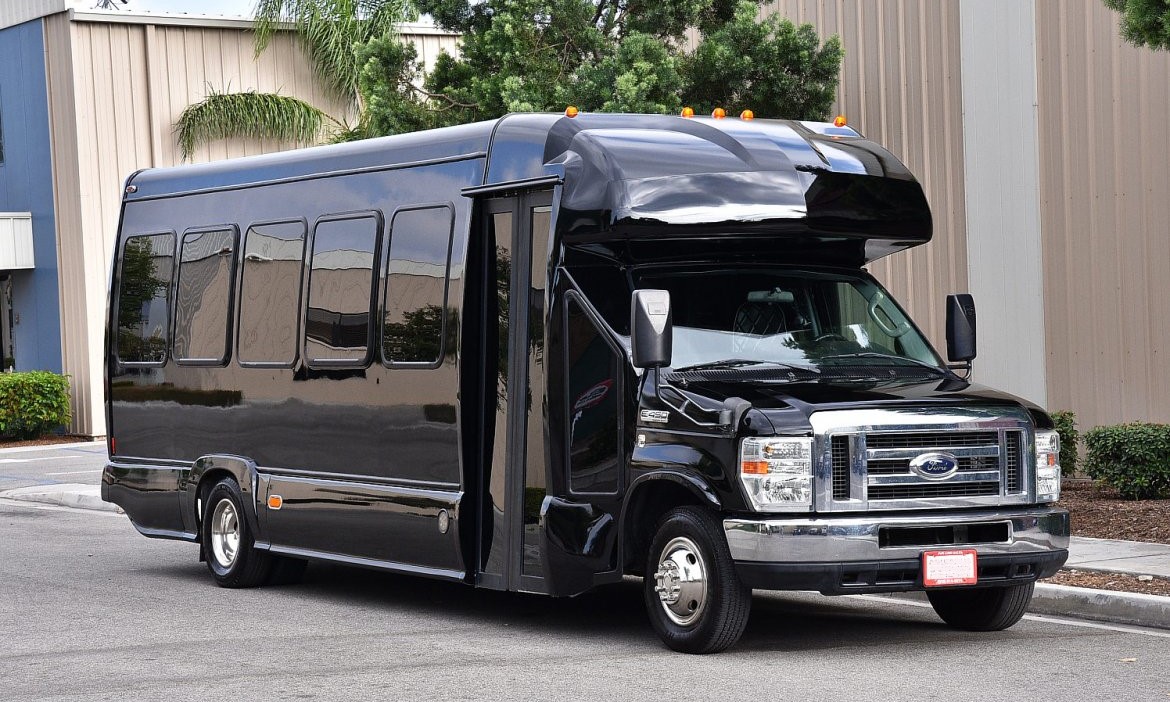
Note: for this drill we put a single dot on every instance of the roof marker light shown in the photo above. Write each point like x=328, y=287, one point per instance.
x=570, y=111
x=719, y=113
x=687, y=112
x=839, y=121
x=747, y=114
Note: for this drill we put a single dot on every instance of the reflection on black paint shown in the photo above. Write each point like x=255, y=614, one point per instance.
x=593, y=406
x=143, y=296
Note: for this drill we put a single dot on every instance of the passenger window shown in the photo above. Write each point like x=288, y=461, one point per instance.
x=341, y=281
x=143, y=298
x=203, y=302
x=415, y=329
x=594, y=424
x=270, y=293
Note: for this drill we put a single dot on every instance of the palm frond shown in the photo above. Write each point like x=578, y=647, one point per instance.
x=249, y=115
x=329, y=30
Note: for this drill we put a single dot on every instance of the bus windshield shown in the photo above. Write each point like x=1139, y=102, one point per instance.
x=788, y=317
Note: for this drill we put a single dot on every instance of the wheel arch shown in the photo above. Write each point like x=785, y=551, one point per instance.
x=209, y=470
x=650, y=496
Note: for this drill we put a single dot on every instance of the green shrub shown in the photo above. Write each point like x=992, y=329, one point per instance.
x=1134, y=458
x=1066, y=426
x=32, y=403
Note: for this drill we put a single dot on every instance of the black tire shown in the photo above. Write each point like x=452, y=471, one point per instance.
x=702, y=619
x=982, y=609
x=223, y=513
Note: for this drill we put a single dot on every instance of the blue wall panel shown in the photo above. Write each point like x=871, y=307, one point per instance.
x=26, y=185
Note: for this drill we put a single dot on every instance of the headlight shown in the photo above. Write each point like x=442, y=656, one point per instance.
x=777, y=473
x=1047, y=466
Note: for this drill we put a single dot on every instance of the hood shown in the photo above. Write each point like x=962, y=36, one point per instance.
x=788, y=405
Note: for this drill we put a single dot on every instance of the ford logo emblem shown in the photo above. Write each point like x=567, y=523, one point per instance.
x=935, y=466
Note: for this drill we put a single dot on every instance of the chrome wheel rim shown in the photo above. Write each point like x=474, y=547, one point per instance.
x=225, y=533
x=681, y=581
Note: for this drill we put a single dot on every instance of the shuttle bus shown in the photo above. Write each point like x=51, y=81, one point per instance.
x=544, y=353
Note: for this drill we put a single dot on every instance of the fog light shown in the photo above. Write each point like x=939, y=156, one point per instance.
x=777, y=473
x=1047, y=466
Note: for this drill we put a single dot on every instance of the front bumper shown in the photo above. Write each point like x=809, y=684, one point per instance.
x=868, y=553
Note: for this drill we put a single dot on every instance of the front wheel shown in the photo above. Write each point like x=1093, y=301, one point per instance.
x=696, y=602
x=982, y=609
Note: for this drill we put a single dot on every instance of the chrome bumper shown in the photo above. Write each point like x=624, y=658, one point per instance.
x=840, y=539
x=883, y=553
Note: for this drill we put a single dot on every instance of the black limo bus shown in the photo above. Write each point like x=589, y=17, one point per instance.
x=547, y=352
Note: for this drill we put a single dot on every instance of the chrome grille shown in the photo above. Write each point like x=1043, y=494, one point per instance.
x=865, y=457
x=840, y=448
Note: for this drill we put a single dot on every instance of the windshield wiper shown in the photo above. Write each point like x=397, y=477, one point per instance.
x=886, y=357
x=741, y=362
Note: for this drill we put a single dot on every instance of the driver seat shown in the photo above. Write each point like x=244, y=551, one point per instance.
x=761, y=318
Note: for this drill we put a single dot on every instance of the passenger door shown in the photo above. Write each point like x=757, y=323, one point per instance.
x=516, y=233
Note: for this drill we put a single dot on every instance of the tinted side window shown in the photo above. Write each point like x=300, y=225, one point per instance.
x=416, y=323
x=143, y=298
x=270, y=292
x=341, y=281
x=203, y=301
x=592, y=372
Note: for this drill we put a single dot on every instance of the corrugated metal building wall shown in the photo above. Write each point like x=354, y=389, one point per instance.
x=1105, y=212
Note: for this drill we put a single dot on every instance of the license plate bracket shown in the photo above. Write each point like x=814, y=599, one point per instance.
x=949, y=568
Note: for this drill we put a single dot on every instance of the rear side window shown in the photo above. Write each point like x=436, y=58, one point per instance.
x=143, y=298
x=415, y=327
x=203, y=300
x=341, y=283
x=270, y=293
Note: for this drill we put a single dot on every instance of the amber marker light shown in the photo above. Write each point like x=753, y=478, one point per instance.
x=719, y=113
x=839, y=121
x=687, y=112
x=747, y=114
x=570, y=111
x=275, y=501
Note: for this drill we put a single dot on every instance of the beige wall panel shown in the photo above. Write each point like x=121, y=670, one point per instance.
x=14, y=12
x=1104, y=214
x=900, y=86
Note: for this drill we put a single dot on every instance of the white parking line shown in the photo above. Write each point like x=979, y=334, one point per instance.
x=28, y=460
x=76, y=472
x=1038, y=618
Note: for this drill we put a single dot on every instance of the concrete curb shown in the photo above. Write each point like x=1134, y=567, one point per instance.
x=74, y=495
x=1102, y=605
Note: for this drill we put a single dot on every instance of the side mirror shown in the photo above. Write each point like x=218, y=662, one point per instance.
x=960, y=328
x=650, y=328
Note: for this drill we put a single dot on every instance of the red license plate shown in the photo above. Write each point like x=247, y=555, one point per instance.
x=956, y=567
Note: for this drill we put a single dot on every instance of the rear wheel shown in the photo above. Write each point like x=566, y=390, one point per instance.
x=982, y=609
x=694, y=598
x=232, y=556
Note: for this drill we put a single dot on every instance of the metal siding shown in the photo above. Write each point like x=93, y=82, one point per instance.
x=1105, y=216
x=1002, y=177
x=26, y=185
x=900, y=86
x=14, y=12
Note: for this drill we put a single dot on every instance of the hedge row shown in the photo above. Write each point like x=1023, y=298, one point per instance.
x=1133, y=458
x=32, y=403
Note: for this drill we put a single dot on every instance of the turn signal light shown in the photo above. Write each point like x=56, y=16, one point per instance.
x=275, y=501
x=839, y=121
x=688, y=112
x=570, y=111
x=747, y=114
